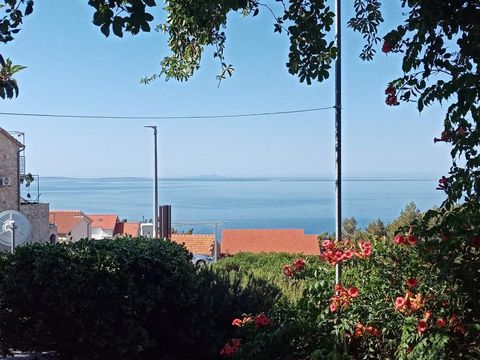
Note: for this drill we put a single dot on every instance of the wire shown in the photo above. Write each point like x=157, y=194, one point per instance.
x=167, y=117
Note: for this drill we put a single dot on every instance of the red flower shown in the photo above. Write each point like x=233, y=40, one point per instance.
x=386, y=48
x=299, y=264
x=359, y=329
x=353, y=292
x=333, y=307
x=287, y=271
x=390, y=90
x=367, y=252
x=230, y=348
x=262, y=320
x=348, y=254
x=412, y=282
x=422, y=326
x=412, y=239
x=392, y=100
x=399, y=302
x=399, y=239
x=237, y=322
x=441, y=323
x=367, y=245
x=444, y=137
x=442, y=183
x=327, y=244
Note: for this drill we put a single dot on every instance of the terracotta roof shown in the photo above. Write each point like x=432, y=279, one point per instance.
x=131, y=229
x=10, y=137
x=196, y=243
x=268, y=240
x=106, y=222
x=66, y=220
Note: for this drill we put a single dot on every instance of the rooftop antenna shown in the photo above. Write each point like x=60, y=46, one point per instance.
x=15, y=229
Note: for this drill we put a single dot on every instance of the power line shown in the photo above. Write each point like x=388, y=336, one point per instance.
x=72, y=116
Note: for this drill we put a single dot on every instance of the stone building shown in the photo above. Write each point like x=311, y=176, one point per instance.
x=12, y=174
x=9, y=171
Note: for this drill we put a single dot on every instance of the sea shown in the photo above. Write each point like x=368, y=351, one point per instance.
x=262, y=203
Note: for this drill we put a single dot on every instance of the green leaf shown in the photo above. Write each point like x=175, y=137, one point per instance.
x=105, y=29
x=117, y=26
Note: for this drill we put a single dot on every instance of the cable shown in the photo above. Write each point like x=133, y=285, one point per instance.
x=167, y=117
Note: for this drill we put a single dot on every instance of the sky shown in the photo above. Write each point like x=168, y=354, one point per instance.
x=73, y=69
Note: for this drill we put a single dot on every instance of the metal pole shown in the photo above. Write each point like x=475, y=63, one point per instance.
x=155, y=183
x=215, y=249
x=12, y=229
x=338, y=133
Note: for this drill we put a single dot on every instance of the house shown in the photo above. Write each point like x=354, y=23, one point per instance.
x=72, y=225
x=12, y=175
x=103, y=226
x=203, y=244
x=10, y=149
x=293, y=241
x=127, y=229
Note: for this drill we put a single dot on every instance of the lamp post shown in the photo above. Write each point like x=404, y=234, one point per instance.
x=155, y=183
x=338, y=133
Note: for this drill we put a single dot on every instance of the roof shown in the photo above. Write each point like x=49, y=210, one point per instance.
x=196, y=243
x=292, y=241
x=66, y=220
x=130, y=229
x=10, y=137
x=106, y=222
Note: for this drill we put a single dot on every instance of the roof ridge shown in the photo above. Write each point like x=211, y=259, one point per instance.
x=265, y=229
x=103, y=215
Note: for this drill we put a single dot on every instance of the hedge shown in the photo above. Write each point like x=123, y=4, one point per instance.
x=119, y=299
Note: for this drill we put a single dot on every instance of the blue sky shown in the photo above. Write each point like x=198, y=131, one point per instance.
x=74, y=69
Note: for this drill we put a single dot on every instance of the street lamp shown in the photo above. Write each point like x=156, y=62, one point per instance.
x=155, y=183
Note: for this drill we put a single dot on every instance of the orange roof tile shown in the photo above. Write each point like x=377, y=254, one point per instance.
x=106, y=222
x=66, y=220
x=268, y=240
x=130, y=229
x=196, y=243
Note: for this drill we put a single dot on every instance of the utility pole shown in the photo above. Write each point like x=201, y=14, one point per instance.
x=155, y=183
x=338, y=133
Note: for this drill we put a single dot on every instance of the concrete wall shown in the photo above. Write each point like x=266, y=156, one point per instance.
x=9, y=197
x=38, y=216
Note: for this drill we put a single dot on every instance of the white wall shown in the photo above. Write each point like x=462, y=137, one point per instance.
x=81, y=230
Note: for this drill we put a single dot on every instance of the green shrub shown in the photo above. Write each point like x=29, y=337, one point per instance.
x=439, y=318
x=119, y=299
x=268, y=267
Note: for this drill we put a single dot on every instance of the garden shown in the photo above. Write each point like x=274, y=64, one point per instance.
x=413, y=295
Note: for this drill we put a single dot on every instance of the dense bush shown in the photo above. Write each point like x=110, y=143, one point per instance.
x=268, y=267
x=119, y=299
x=409, y=299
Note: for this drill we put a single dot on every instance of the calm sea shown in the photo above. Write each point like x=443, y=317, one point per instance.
x=242, y=203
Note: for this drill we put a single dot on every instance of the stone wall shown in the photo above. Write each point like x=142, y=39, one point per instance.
x=9, y=196
x=38, y=216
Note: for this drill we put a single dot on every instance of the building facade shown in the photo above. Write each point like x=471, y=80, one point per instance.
x=9, y=171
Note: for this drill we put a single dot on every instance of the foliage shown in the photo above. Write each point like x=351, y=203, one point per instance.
x=399, y=305
x=265, y=267
x=14, y=11
x=119, y=299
